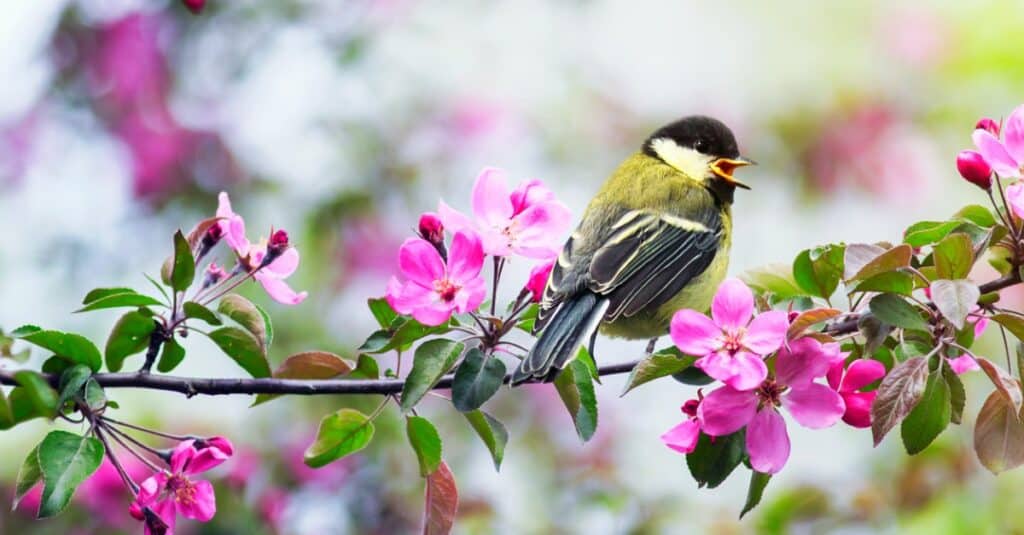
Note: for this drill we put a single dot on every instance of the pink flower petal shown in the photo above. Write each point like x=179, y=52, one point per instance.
x=538, y=280
x=835, y=375
x=419, y=261
x=683, y=437
x=733, y=304
x=466, y=257
x=858, y=408
x=149, y=490
x=694, y=333
x=980, y=324
x=408, y=297
x=433, y=314
x=495, y=242
x=750, y=371
x=206, y=459
x=725, y=410
x=529, y=193
x=279, y=291
x=1015, y=197
x=167, y=511
x=995, y=153
x=285, y=265
x=471, y=295
x=1013, y=134
x=861, y=373
x=802, y=362
x=814, y=406
x=203, y=505
x=537, y=231
x=766, y=332
x=963, y=364
x=453, y=219
x=491, y=203
x=182, y=455
x=767, y=442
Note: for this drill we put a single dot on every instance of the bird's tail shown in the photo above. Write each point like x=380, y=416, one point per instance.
x=576, y=320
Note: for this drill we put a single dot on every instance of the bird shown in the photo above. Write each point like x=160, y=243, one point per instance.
x=655, y=239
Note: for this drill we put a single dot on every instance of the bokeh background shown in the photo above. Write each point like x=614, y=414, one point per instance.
x=342, y=120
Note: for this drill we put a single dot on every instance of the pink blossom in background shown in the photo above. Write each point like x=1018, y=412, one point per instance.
x=329, y=477
x=727, y=410
x=16, y=143
x=539, y=279
x=528, y=222
x=128, y=67
x=916, y=35
x=730, y=345
x=1006, y=156
x=104, y=492
x=683, y=437
x=243, y=467
x=172, y=493
x=272, y=504
x=366, y=249
x=849, y=381
x=433, y=290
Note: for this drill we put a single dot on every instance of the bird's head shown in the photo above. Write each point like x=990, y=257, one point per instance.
x=701, y=148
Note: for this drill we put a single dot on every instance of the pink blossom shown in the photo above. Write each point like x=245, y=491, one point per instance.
x=963, y=364
x=538, y=280
x=1015, y=198
x=990, y=125
x=174, y=492
x=849, y=381
x=1007, y=156
x=683, y=437
x=195, y=6
x=431, y=228
x=528, y=221
x=232, y=225
x=973, y=167
x=731, y=347
x=434, y=290
x=726, y=410
x=272, y=506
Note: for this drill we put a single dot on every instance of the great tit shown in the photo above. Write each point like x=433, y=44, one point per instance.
x=654, y=240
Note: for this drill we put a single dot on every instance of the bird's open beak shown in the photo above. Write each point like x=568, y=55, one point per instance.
x=724, y=168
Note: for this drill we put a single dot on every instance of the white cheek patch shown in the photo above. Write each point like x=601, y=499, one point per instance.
x=685, y=160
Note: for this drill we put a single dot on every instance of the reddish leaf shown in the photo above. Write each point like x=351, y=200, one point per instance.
x=808, y=318
x=999, y=435
x=1004, y=383
x=899, y=392
x=891, y=260
x=441, y=502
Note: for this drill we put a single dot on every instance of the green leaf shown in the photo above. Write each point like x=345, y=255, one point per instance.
x=584, y=356
x=668, y=361
x=895, y=311
x=819, y=270
x=196, y=311
x=73, y=347
x=171, y=355
x=898, y=394
x=28, y=476
x=576, y=388
x=776, y=279
x=928, y=232
x=864, y=261
x=1012, y=322
x=366, y=368
x=341, y=433
x=711, y=463
x=977, y=214
x=929, y=417
x=441, y=502
x=159, y=287
x=955, y=299
x=528, y=318
x=693, y=376
x=41, y=397
x=72, y=381
x=957, y=394
x=117, y=300
x=309, y=365
x=129, y=336
x=183, y=267
x=94, y=396
x=896, y=282
x=267, y=324
x=246, y=314
x=432, y=360
x=492, y=432
x=999, y=435
x=425, y=442
x=953, y=256
x=476, y=380
x=100, y=293
x=758, y=482
x=402, y=333
x=65, y=460
x=382, y=312
x=244, y=349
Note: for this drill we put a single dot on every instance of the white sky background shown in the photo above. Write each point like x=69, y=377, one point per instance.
x=660, y=60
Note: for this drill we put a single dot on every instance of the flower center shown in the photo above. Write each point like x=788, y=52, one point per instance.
x=446, y=290
x=732, y=341
x=770, y=393
x=182, y=488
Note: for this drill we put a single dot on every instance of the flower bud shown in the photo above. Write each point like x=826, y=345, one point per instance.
x=276, y=247
x=974, y=169
x=690, y=408
x=431, y=228
x=195, y=6
x=988, y=125
x=214, y=274
x=211, y=238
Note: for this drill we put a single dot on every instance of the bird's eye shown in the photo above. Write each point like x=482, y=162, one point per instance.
x=699, y=145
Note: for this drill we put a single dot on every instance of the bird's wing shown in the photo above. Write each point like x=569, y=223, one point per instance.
x=644, y=260
x=650, y=257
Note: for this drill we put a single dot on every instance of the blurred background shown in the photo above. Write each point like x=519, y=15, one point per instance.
x=343, y=120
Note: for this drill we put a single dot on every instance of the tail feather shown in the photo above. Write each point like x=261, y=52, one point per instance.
x=574, y=323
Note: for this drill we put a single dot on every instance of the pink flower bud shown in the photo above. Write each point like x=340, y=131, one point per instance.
x=690, y=408
x=431, y=228
x=195, y=6
x=538, y=280
x=279, y=239
x=989, y=125
x=214, y=274
x=974, y=169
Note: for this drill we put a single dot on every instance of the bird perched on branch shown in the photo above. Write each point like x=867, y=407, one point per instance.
x=654, y=240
